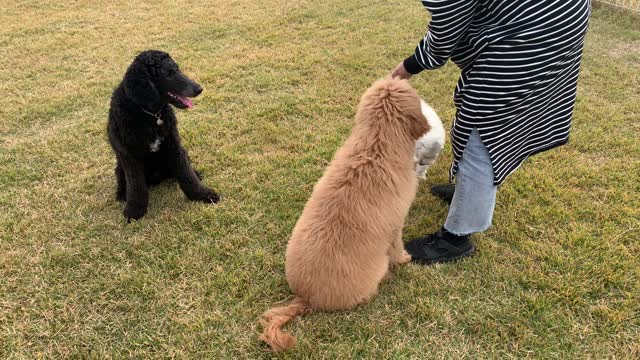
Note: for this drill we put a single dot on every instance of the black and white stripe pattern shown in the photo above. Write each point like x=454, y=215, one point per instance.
x=520, y=62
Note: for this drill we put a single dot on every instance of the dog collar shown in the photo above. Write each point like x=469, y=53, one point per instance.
x=156, y=115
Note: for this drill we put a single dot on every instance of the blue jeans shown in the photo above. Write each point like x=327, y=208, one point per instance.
x=473, y=202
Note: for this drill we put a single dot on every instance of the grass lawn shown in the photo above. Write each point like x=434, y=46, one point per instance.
x=558, y=276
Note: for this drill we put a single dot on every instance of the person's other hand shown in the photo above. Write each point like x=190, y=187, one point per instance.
x=401, y=72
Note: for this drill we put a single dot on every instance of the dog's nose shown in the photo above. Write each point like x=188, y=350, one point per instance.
x=197, y=90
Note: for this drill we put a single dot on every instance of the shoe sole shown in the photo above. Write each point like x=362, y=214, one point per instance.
x=465, y=254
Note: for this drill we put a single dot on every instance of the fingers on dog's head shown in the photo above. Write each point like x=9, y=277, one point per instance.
x=396, y=103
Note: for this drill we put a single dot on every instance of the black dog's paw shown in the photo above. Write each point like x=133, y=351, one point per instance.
x=206, y=195
x=134, y=212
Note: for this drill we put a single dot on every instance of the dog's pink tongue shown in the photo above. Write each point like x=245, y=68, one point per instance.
x=186, y=101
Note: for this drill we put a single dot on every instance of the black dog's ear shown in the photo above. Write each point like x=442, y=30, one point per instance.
x=139, y=86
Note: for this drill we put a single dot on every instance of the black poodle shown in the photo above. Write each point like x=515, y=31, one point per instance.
x=143, y=133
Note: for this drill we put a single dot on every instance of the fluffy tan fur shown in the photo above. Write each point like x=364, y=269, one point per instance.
x=351, y=228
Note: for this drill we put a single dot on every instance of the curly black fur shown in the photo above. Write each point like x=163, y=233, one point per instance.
x=152, y=82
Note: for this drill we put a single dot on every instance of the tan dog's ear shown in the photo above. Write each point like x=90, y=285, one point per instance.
x=390, y=101
x=383, y=100
x=409, y=107
x=418, y=124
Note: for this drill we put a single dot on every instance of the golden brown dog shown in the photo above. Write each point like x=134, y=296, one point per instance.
x=351, y=228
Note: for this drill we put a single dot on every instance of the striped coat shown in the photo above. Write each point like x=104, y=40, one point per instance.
x=520, y=62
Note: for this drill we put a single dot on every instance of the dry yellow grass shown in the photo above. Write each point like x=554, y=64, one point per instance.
x=624, y=4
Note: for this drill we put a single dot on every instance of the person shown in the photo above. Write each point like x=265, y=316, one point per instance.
x=515, y=97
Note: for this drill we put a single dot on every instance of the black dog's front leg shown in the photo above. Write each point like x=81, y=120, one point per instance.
x=188, y=180
x=137, y=192
x=121, y=192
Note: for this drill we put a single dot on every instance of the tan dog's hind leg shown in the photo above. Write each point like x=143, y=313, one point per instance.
x=396, y=252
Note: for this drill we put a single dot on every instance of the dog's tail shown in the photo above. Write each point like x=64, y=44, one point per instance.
x=274, y=319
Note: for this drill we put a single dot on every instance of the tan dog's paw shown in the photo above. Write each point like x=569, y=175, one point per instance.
x=402, y=259
x=405, y=258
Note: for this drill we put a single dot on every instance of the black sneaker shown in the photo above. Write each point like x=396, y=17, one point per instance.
x=444, y=192
x=439, y=247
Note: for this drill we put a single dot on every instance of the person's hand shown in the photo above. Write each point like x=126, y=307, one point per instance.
x=401, y=72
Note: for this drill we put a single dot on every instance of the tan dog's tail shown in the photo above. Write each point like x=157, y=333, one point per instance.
x=274, y=319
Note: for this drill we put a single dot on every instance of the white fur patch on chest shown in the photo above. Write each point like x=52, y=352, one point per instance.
x=429, y=146
x=155, y=146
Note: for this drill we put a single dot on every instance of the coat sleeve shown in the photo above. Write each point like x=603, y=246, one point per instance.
x=450, y=20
